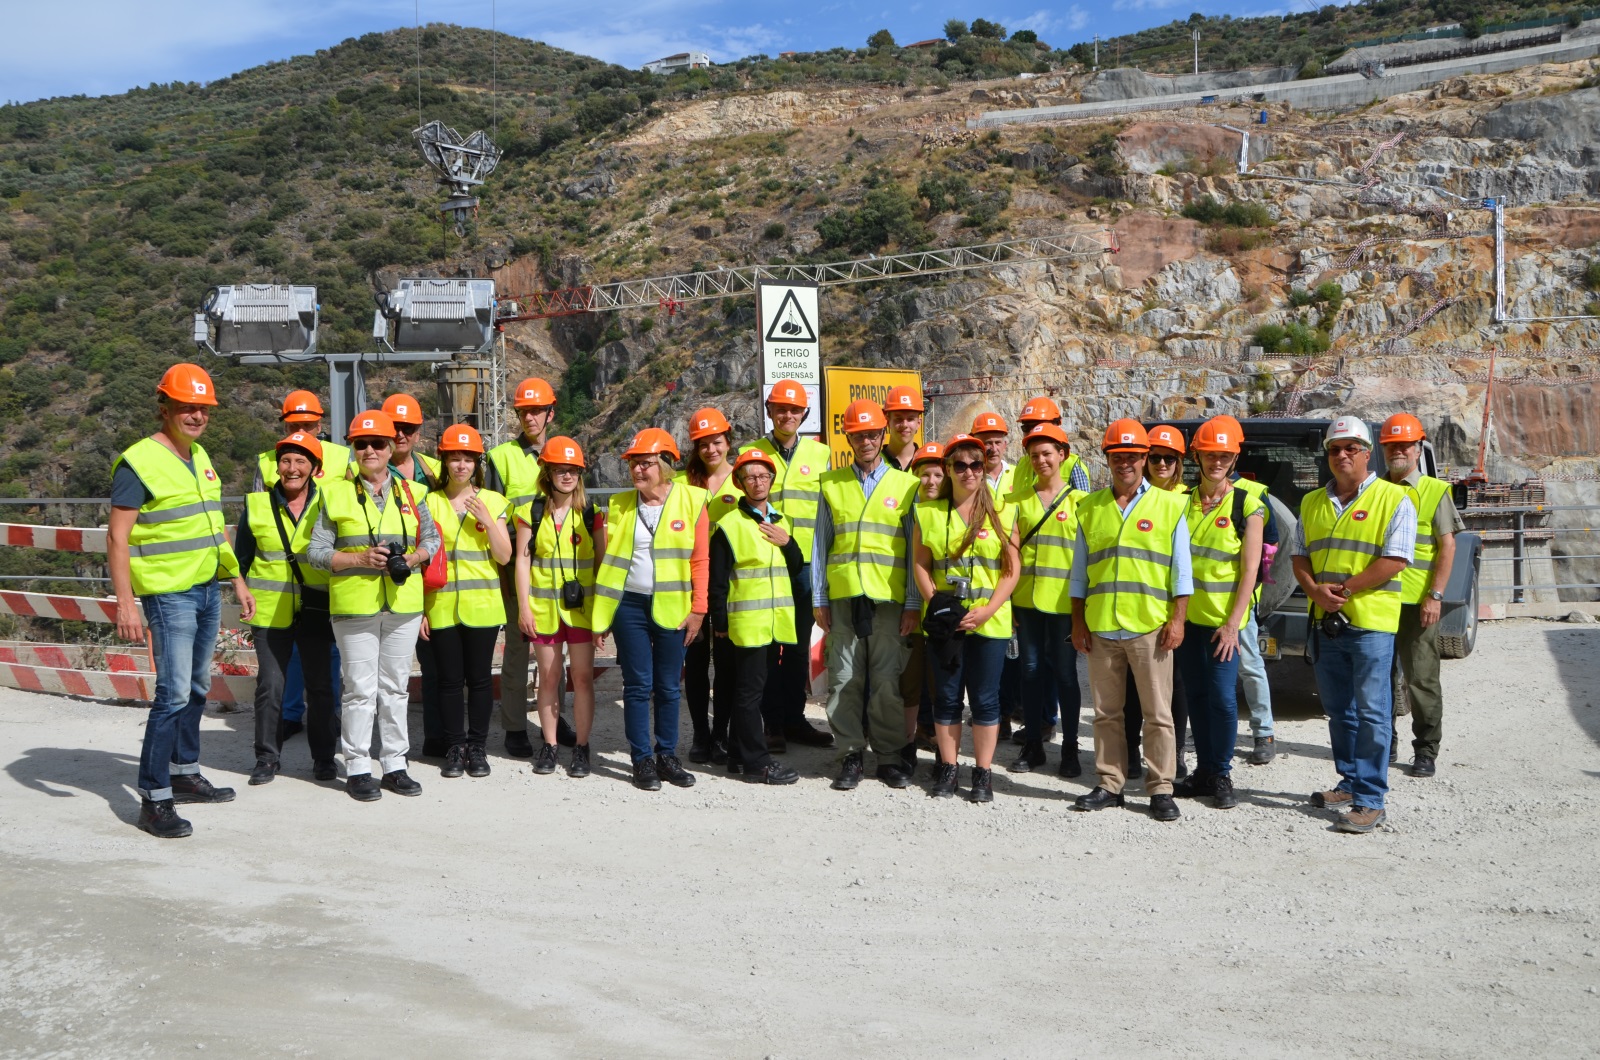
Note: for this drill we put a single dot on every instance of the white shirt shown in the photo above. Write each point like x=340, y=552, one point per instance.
x=642, y=570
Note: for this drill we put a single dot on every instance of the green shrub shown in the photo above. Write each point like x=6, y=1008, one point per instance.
x=1332, y=294
x=775, y=230
x=1270, y=337
x=1591, y=275
x=1303, y=339
x=886, y=213
x=1299, y=297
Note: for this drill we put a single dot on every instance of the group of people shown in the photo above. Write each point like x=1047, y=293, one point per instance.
x=950, y=585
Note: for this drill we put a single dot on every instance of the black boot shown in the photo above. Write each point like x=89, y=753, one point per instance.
x=1031, y=758
x=455, y=761
x=946, y=776
x=161, y=820
x=982, y=785
x=1070, y=766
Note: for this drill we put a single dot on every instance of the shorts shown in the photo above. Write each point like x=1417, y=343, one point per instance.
x=564, y=635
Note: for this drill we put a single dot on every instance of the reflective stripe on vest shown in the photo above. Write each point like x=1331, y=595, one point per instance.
x=868, y=553
x=555, y=559
x=670, y=549
x=760, y=605
x=471, y=595
x=1215, y=545
x=943, y=531
x=363, y=590
x=1130, y=559
x=797, y=488
x=177, y=539
x=1046, y=580
x=1343, y=545
x=270, y=579
x=1417, y=579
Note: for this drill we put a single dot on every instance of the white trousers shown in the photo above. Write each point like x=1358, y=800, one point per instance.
x=375, y=653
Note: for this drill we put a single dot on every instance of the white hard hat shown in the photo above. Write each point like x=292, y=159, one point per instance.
x=1348, y=428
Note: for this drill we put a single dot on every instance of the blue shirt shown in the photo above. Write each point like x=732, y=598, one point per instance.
x=823, y=539
x=1182, y=576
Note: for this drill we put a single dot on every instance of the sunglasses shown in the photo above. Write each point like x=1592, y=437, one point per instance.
x=408, y=428
x=964, y=466
x=1163, y=458
x=362, y=444
x=1335, y=449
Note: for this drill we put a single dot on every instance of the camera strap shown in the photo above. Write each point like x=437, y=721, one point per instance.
x=283, y=535
x=1048, y=512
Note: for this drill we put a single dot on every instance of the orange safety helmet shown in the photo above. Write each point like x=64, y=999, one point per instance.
x=1401, y=427
x=788, y=392
x=932, y=451
x=301, y=406
x=753, y=456
x=1125, y=435
x=707, y=423
x=864, y=414
x=1219, y=434
x=652, y=441
x=1049, y=432
x=302, y=440
x=461, y=438
x=1168, y=437
x=403, y=408
x=372, y=423
x=958, y=440
x=562, y=450
x=1040, y=409
x=533, y=393
x=903, y=399
x=188, y=384
x=989, y=421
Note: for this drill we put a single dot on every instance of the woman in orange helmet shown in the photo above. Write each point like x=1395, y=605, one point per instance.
x=710, y=469
x=1163, y=469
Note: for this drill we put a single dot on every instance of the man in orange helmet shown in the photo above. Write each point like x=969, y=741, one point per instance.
x=166, y=545
x=1422, y=585
x=904, y=408
x=302, y=412
x=410, y=460
x=990, y=429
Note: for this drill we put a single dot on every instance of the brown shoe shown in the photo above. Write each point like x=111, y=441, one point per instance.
x=1360, y=821
x=1333, y=800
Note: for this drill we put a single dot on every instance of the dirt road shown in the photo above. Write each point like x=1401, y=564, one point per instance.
x=524, y=916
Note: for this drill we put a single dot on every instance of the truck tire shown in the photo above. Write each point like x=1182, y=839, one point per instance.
x=1276, y=593
x=1459, y=647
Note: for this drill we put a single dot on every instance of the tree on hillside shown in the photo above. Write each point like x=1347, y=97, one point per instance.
x=1024, y=36
x=954, y=30
x=982, y=27
x=881, y=39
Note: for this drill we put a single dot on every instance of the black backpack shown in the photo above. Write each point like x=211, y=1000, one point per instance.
x=591, y=519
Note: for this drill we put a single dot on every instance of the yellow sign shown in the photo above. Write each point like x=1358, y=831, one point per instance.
x=844, y=385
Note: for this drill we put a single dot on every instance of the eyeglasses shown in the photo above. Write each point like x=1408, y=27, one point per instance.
x=1165, y=458
x=1351, y=450
x=962, y=467
x=758, y=476
x=643, y=461
x=363, y=444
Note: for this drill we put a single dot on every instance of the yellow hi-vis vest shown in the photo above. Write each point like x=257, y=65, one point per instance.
x=558, y=555
x=760, y=605
x=1417, y=579
x=519, y=471
x=1343, y=546
x=720, y=503
x=1007, y=484
x=471, y=596
x=1023, y=477
x=1215, y=545
x=671, y=547
x=942, y=532
x=177, y=540
x=363, y=590
x=1129, y=560
x=271, y=580
x=797, y=488
x=336, y=464
x=1046, y=580
x=868, y=554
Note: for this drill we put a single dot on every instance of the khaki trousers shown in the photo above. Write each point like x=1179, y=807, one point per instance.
x=1110, y=662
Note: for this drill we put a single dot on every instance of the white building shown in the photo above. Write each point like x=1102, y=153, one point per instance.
x=673, y=64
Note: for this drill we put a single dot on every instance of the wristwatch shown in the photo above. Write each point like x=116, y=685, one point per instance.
x=1435, y=595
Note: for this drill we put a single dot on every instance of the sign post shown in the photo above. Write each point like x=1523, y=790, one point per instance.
x=845, y=385
x=788, y=324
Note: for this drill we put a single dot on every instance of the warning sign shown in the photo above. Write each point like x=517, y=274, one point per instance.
x=845, y=385
x=788, y=324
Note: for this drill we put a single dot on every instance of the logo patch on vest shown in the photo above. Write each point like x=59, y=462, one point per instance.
x=481, y=528
x=1223, y=522
x=1146, y=525
x=1061, y=517
x=211, y=476
x=1359, y=516
x=727, y=498
x=891, y=502
x=805, y=469
x=677, y=524
x=983, y=534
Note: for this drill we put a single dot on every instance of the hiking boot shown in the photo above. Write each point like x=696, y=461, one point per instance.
x=1222, y=796
x=1333, y=799
x=1163, y=808
x=546, y=761
x=517, y=745
x=455, y=761
x=1360, y=821
x=192, y=787
x=1422, y=766
x=893, y=775
x=1071, y=767
x=162, y=821
x=672, y=771
x=946, y=777
x=982, y=785
x=477, y=761
x=579, y=766
x=1264, y=751
x=1193, y=786
x=1098, y=799
x=1031, y=758
x=400, y=782
x=644, y=775
x=776, y=773
x=363, y=788
x=850, y=770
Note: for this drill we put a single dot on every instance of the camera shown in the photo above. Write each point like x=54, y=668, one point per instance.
x=399, y=570
x=571, y=594
x=1333, y=624
x=963, y=586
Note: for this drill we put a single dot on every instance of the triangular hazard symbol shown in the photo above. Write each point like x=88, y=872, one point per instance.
x=789, y=323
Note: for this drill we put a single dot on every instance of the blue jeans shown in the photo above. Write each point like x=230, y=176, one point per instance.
x=1049, y=671
x=183, y=631
x=1253, y=676
x=294, y=685
x=1353, y=676
x=1212, y=688
x=981, y=661
x=651, y=659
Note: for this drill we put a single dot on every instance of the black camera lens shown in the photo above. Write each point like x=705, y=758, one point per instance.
x=399, y=570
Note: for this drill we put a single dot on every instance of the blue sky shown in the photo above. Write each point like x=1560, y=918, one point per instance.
x=98, y=47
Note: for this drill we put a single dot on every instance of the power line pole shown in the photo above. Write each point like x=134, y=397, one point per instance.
x=1197, y=51
x=1097, y=51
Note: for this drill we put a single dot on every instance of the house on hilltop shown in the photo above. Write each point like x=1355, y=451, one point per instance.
x=674, y=64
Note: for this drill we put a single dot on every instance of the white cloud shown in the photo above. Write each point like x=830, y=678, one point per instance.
x=1043, y=22
x=1148, y=5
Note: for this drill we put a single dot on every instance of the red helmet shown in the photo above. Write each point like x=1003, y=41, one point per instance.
x=932, y=451
x=1047, y=431
x=1219, y=434
x=652, y=441
x=707, y=423
x=754, y=456
x=188, y=384
x=959, y=440
x=301, y=440
x=460, y=438
x=903, y=399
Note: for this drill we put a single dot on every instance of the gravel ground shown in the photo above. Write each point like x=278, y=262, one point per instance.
x=521, y=915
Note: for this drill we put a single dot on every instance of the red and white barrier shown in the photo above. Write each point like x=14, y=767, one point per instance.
x=45, y=605
x=55, y=538
x=90, y=684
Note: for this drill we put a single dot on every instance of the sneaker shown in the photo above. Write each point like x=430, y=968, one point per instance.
x=1163, y=808
x=644, y=775
x=982, y=785
x=1193, y=786
x=850, y=770
x=1071, y=767
x=1333, y=799
x=579, y=766
x=192, y=787
x=518, y=745
x=1031, y=758
x=1222, y=796
x=162, y=821
x=324, y=770
x=672, y=771
x=946, y=778
x=401, y=783
x=546, y=761
x=455, y=761
x=363, y=788
x=1360, y=821
x=263, y=773
x=477, y=760
x=1422, y=766
x=1264, y=751
x=776, y=773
